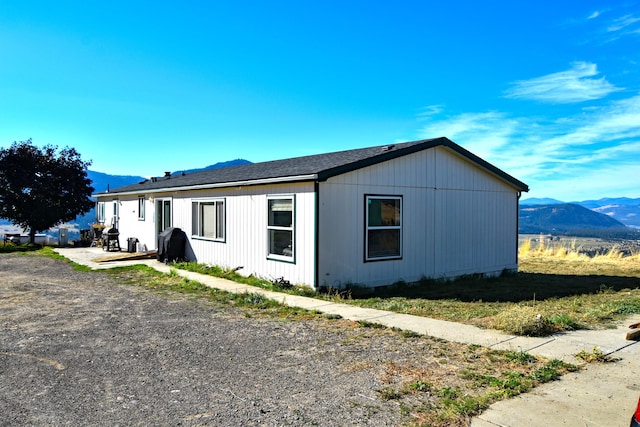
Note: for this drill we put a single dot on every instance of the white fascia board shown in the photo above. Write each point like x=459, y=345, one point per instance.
x=279, y=180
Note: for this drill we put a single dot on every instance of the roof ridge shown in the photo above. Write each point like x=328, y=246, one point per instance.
x=318, y=167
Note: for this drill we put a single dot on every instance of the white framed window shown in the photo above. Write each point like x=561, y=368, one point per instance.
x=163, y=214
x=100, y=213
x=209, y=219
x=281, y=227
x=383, y=223
x=141, y=208
x=115, y=217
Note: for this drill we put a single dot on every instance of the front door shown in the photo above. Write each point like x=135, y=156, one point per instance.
x=163, y=215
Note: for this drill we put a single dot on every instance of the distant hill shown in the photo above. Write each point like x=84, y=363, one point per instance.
x=540, y=201
x=608, y=201
x=102, y=182
x=563, y=218
x=236, y=162
x=623, y=209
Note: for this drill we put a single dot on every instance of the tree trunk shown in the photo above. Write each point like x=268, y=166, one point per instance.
x=32, y=235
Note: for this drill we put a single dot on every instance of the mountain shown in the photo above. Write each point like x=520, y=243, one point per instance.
x=624, y=209
x=102, y=182
x=236, y=162
x=617, y=201
x=540, y=201
x=563, y=218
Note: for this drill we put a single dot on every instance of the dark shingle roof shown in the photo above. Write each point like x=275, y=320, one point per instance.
x=316, y=167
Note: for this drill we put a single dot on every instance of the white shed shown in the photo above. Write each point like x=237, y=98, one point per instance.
x=367, y=217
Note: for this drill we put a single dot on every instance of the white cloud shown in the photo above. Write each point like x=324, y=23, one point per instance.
x=430, y=110
x=587, y=155
x=594, y=15
x=574, y=85
x=622, y=23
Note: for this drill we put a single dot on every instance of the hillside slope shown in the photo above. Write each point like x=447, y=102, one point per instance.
x=624, y=209
x=563, y=218
x=103, y=182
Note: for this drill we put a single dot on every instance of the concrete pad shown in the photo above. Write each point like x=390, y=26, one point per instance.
x=565, y=346
x=451, y=331
x=602, y=395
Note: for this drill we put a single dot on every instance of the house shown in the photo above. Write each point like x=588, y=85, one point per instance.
x=369, y=216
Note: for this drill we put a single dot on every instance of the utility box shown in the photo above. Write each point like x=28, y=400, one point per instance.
x=63, y=237
x=132, y=243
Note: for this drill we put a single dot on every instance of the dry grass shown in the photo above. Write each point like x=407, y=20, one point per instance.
x=557, y=288
x=453, y=382
x=568, y=259
x=523, y=320
x=574, y=250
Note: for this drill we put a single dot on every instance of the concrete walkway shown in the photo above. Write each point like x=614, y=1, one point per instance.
x=599, y=395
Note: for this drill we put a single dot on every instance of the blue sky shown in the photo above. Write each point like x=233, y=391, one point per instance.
x=547, y=91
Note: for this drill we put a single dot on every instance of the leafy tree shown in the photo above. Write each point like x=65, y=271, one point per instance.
x=41, y=188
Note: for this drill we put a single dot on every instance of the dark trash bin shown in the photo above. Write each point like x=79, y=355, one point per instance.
x=132, y=243
x=171, y=245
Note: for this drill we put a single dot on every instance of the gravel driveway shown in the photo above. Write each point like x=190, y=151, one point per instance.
x=82, y=348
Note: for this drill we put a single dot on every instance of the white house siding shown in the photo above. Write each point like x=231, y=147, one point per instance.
x=246, y=231
x=128, y=223
x=457, y=219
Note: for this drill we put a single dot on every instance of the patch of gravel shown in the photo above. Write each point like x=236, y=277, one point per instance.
x=82, y=348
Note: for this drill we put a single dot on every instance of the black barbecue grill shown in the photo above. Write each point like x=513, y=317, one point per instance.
x=110, y=238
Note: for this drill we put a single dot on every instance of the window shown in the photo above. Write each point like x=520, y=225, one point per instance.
x=163, y=215
x=383, y=228
x=100, y=216
x=208, y=219
x=115, y=217
x=141, y=208
x=280, y=227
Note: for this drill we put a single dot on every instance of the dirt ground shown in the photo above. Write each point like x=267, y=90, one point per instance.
x=82, y=348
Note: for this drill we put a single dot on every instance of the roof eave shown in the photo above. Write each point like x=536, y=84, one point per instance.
x=265, y=181
x=516, y=183
x=383, y=157
x=427, y=144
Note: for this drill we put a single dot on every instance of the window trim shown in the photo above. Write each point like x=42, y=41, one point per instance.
x=277, y=257
x=101, y=212
x=197, y=227
x=141, y=208
x=160, y=215
x=115, y=218
x=367, y=227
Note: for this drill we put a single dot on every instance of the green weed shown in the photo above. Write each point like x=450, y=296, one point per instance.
x=520, y=357
x=594, y=356
x=389, y=393
x=367, y=324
